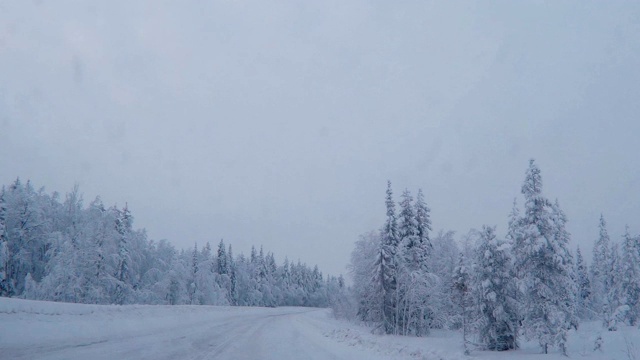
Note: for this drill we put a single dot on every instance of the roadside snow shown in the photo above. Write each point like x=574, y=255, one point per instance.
x=46, y=330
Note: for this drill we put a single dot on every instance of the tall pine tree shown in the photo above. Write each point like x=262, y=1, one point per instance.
x=630, y=278
x=600, y=267
x=6, y=288
x=583, y=298
x=495, y=290
x=545, y=266
x=387, y=266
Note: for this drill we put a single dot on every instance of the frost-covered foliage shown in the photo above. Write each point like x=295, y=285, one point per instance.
x=495, y=290
x=583, y=284
x=630, y=278
x=6, y=285
x=443, y=262
x=462, y=296
x=386, y=267
x=545, y=267
x=63, y=251
x=599, y=271
x=613, y=310
x=524, y=284
x=393, y=288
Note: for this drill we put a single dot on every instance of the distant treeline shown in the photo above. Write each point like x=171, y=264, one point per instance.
x=60, y=250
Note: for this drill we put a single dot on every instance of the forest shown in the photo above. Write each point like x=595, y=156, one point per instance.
x=61, y=250
x=405, y=280
x=528, y=285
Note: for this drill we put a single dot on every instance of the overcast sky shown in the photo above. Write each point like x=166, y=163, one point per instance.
x=278, y=123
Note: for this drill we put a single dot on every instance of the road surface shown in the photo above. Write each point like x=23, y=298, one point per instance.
x=163, y=332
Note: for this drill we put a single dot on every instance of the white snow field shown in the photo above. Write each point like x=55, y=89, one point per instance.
x=46, y=330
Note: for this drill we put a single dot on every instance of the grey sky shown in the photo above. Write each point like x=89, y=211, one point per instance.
x=278, y=123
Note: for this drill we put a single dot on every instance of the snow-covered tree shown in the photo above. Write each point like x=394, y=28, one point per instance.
x=565, y=271
x=6, y=283
x=368, y=287
x=26, y=234
x=414, y=300
x=495, y=289
x=223, y=261
x=630, y=278
x=193, y=281
x=599, y=271
x=443, y=261
x=408, y=231
x=423, y=227
x=231, y=264
x=63, y=251
x=386, y=265
x=614, y=308
x=545, y=266
x=463, y=298
x=123, y=227
x=583, y=284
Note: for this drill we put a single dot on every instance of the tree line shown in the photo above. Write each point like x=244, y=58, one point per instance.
x=61, y=250
x=528, y=284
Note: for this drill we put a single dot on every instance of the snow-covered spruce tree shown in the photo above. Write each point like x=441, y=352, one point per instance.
x=514, y=239
x=599, y=271
x=583, y=298
x=223, y=261
x=123, y=224
x=630, y=278
x=193, y=279
x=367, y=281
x=423, y=227
x=443, y=260
x=374, y=267
x=495, y=288
x=406, y=263
x=6, y=288
x=223, y=272
x=462, y=296
x=545, y=267
x=614, y=308
x=387, y=267
x=233, y=294
x=408, y=228
x=415, y=284
x=568, y=285
x=285, y=281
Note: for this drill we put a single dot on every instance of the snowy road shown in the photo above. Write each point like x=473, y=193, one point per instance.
x=40, y=330
x=43, y=330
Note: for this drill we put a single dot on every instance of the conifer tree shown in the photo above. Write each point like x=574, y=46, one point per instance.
x=6, y=288
x=386, y=265
x=545, y=266
x=495, y=288
x=193, y=281
x=614, y=307
x=630, y=278
x=233, y=277
x=423, y=227
x=408, y=230
x=599, y=271
x=123, y=226
x=223, y=265
x=408, y=225
x=390, y=231
x=462, y=296
x=583, y=298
